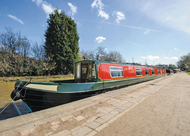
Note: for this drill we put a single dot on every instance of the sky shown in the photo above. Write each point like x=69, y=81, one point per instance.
x=152, y=31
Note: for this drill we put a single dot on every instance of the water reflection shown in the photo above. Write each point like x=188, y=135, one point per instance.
x=14, y=109
x=5, y=90
x=10, y=111
x=19, y=107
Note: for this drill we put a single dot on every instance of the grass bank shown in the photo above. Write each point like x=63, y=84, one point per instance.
x=188, y=73
x=37, y=78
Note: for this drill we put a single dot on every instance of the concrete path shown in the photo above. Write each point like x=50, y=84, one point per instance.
x=142, y=109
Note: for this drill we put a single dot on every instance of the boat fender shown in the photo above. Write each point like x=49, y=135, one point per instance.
x=15, y=95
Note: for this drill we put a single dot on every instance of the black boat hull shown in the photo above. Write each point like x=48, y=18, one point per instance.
x=38, y=100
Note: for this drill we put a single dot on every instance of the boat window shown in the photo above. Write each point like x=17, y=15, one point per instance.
x=146, y=71
x=116, y=71
x=138, y=72
x=152, y=71
x=158, y=72
x=93, y=71
x=90, y=71
x=84, y=70
x=78, y=70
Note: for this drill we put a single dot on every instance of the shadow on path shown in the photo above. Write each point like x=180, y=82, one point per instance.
x=14, y=110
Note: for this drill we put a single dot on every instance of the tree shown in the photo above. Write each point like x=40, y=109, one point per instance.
x=89, y=55
x=171, y=66
x=10, y=41
x=61, y=42
x=14, y=52
x=115, y=56
x=184, y=62
x=24, y=51
x=100, y=54
x=38, y=51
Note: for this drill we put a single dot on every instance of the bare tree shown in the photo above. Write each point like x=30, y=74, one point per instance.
x=115, y=56
x=15, y=50
x=100, y=54
x=38, y=51
x=9, y=41
x=90, y=55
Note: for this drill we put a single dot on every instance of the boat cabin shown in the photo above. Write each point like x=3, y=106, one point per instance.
x=85, y=72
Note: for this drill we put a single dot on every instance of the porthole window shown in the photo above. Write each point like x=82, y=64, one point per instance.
x=152, y=71
x=116, y=72
x=138, y=72
x=146, y=71
x=158, y=72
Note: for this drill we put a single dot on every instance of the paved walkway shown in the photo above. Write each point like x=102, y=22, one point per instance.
x=97, y=115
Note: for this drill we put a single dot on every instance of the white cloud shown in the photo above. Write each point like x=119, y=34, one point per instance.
x=97, y=4
x=15, y=18
x=103, y=14
x=100, y=39
x=175, y=48
x=48, y=8
x=120, y=16
x=38, y=2
x=100, y=6
x=139, y=28
x=78, y=24
x=173, y=14
x=134, y=43
x=73, y=8
x=146, y=32
x=150, y=57
x=174, y=58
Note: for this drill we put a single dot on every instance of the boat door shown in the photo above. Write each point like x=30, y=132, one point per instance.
x=85, y=72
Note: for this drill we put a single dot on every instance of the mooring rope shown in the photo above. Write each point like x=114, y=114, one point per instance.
x=17, y=107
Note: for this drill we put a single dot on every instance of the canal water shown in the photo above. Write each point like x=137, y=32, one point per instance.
x=9, y=108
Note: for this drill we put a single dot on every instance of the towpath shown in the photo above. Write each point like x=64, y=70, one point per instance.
x=157, y=107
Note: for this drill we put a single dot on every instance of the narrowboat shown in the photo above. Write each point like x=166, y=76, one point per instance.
x=91, y=77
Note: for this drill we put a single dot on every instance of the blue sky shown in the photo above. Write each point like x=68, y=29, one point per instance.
x=154, y=31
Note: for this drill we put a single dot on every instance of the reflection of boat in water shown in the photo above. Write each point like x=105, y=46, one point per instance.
x=91, y=77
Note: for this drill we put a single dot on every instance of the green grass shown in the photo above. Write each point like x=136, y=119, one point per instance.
x=188, y=73
x=37, y=78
